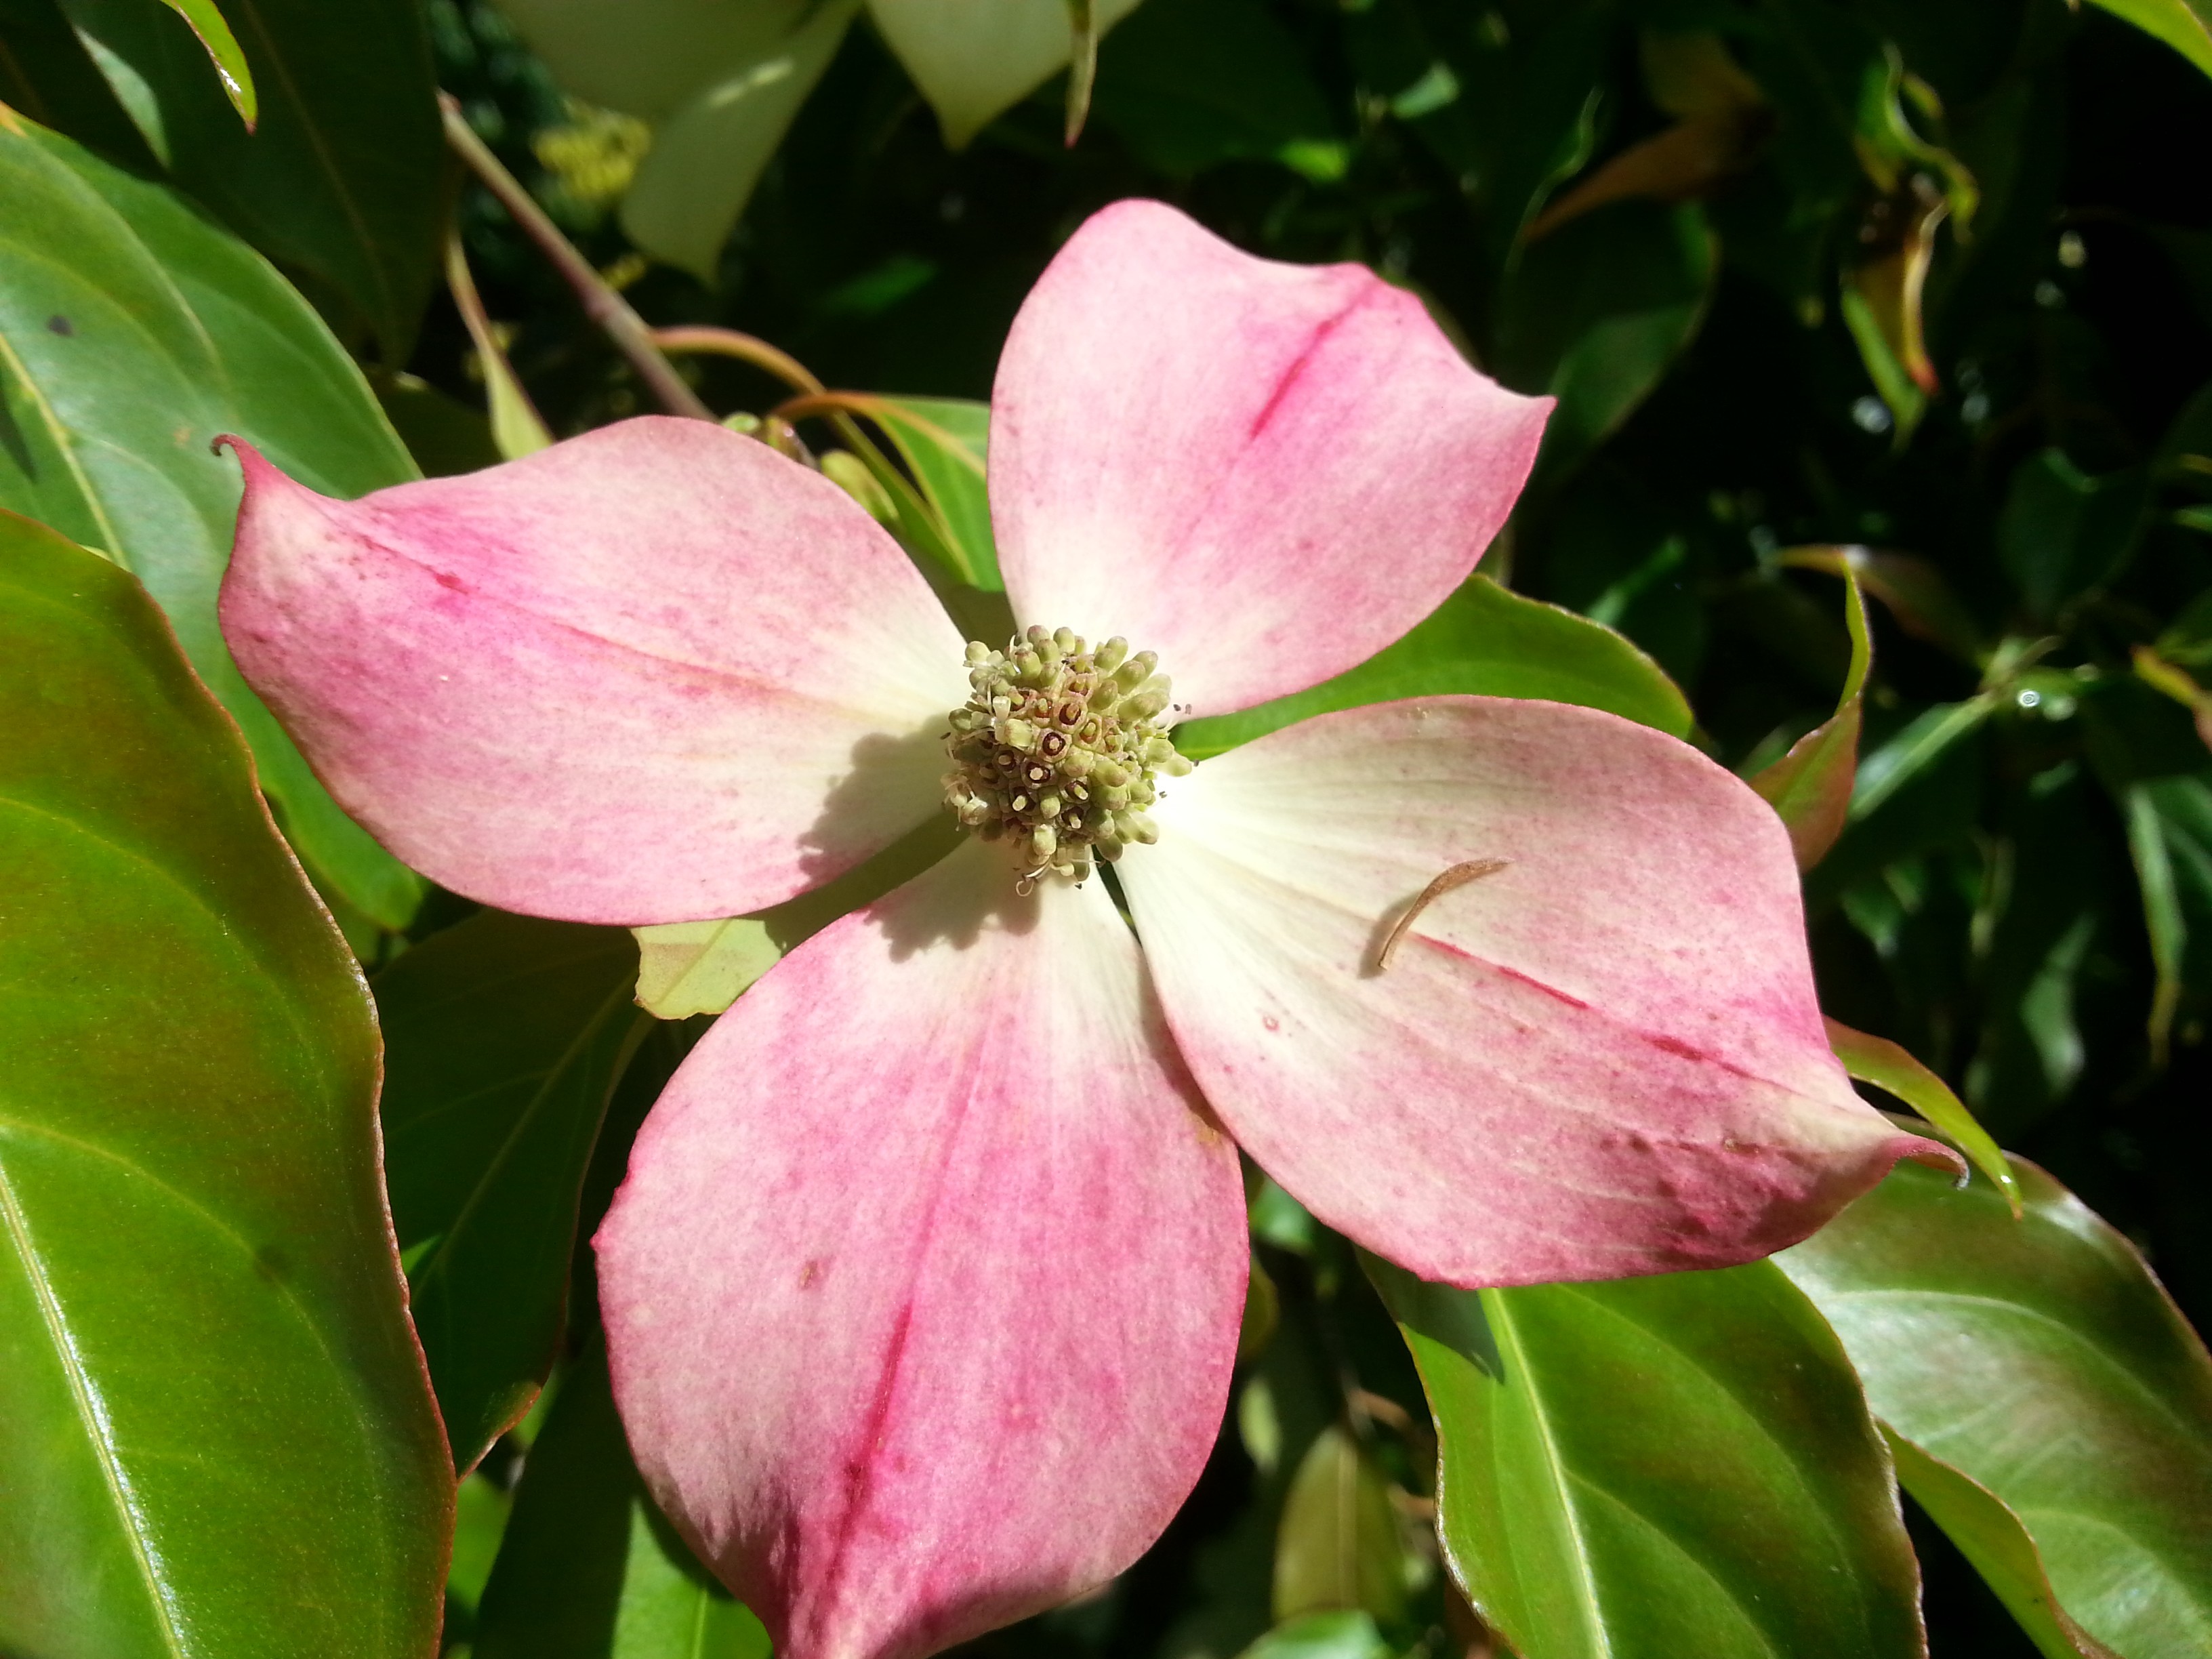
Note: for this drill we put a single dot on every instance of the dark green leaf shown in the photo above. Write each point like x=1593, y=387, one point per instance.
x=132, y=332
x=219, y=1438
x=46, y=74
x=504, y=1037
x=1660, y=1466
x=1483, y=640
x=589, y=1569
x=2041, y=1360
x=1187, y=83
x=1597, y=312
x=343, y=179
x=2063, y=532
x=2170, y=836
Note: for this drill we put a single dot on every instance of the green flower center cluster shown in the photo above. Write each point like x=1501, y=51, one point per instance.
x=1057, y=748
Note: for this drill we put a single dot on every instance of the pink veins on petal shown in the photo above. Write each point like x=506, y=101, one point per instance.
x=922, y=1290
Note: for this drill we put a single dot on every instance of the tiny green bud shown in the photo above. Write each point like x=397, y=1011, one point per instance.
x=1110, y=655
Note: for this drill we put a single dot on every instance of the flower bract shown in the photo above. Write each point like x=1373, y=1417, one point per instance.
x=922, y=1291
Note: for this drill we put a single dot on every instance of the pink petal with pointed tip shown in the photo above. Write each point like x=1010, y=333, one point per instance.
x=1604, y=1059
x=1264, y=472
x=922, y=1292
x=655, y=673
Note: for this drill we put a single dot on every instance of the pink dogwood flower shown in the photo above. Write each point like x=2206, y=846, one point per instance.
x=922, y=1291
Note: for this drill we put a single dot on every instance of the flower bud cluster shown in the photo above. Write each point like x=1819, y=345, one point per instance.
x=1057, y=748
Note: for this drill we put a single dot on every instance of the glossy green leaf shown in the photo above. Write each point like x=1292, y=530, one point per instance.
x=1483, y=640
x=1337, y=1546
x=1596, y=314
x=479, y=1525
x=2039, y=1359
x=2185, y=25
x=1810, y=787
x=219, y=1437
x=206, y=22
x=1992, y=1539
x=589, y=1569
x=1660, y=1466
x=503, y=1038
x=132, y=332
x=343, y=180
x=1888, y=1066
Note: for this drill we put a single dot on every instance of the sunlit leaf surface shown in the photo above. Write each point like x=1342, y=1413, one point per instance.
x=220, y=1439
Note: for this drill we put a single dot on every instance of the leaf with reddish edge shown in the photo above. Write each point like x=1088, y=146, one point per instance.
x=1665, y=1466
x=503, y=1039
x=220, y=1436
x=1811, y=785
x=1891, y=1068
x=1990, y=1536
x=230, y=66
x=137, y=330
x=2041, y=1360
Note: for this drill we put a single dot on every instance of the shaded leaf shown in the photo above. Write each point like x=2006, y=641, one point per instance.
x=504, y=1036
x=46, y=74
x=1917, y=746
x=1337, y=1545
x=2039, y=1359
x=132, y=332
x=342, y=177
x=589, y=1569
x=2169, y=822
x=1659, y=1467
x=220, y=1439
x=942, y=441
x=974, y=58
x=1187, y=83
x=517, y=428
x=1321, y=1636
x=1597, y=312
x=709, y=152
x=2063, y=532
x=1484, y=640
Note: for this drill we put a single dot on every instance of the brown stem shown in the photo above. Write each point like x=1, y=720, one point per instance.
x=745, y=348
x=605, y=307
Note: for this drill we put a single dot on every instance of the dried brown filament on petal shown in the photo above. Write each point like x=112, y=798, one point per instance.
x=1458, y=876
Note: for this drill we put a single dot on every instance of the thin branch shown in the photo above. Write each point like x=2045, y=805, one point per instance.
x=605, y=307
x=745, y=348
